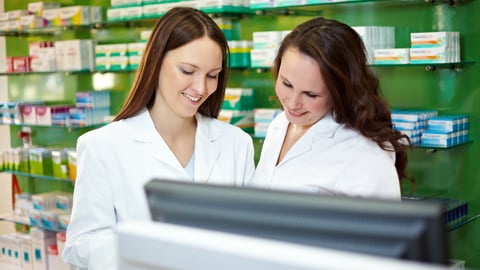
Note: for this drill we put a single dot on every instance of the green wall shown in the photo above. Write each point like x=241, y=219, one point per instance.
x=451, y=173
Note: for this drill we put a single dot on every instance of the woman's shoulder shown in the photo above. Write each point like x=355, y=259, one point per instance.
x=107, y=133
x=226, y=130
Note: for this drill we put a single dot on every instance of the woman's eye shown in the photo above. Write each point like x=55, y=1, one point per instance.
x=212, y=76
x=188, y=72
x=287, y=84
x=310, y=94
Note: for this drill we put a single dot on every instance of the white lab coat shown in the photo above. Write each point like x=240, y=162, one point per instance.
x=328, y=159
x=115, y=161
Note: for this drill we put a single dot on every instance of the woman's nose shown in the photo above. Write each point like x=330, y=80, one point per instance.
x=294, y=101
x=200, y=84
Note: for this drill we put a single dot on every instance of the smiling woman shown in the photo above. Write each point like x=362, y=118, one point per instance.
x=167, y=128
x=335, y=134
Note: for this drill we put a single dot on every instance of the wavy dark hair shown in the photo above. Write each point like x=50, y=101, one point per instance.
x=179, y=26
x=354, y=89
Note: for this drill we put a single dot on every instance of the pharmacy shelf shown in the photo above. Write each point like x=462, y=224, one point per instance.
x=37, y=176
x=10, y=218
x=69, y=128
x=433, y=149
x=314, y=5
x=463, y=221
x=457, y=66
x=66, y=72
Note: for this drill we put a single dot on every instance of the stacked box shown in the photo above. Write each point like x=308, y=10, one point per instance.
x=262, y=119
x=74, y=55
x=40, y=161
x=237, y=108
x=376, y=37
x=241, y=99
x=41, y=239
x=125, y=3
x=226, y=26
x=240, y=53
x=412, y=122
x=60, y=163
x=446, y=131
x=392, y=56
x=80, y=15
x=435, y=47
x=258, y=4
x=39, y=8
x=232, y=6
x=72, y=164
x=265, y=47
x=455, y=210
x=52, y=17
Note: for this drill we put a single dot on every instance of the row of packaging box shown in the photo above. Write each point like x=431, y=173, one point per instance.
x=49, y=210
x=50, y=15
x=427, y=128
x=36, y=250
x=91, y=108
x=57, y=162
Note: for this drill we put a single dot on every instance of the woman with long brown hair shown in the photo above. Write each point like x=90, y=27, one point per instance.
x=167, y=128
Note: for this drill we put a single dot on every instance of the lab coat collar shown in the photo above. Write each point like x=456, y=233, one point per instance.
x=325, y=128
x=206, y=151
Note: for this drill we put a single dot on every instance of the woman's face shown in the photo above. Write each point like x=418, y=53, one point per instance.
x=301, y=89
x=189, y=75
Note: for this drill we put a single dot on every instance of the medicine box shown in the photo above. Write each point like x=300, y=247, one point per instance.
x=254, y=4
x=267, y=39
x=135, y=13
x=434, y=139
x=80, y=15
x=115, y=14
x=125, y=3
x=41, y=239
x=265, y=115
x=434, y=55
x=40, y=161
x=434, y=39
x=241, y=119
x=74, y=55
x=60, y=163
x=38, y=8
x=392, y=56
x=136, y=48
x=239, y=99
x=240, y=53
x=52, y=17
x=399, y=115
x=288, y=3
x=223, y=6
x=447, y=123
x=32, y=22
x=262, y=58
x=107, y=50
x=72, y=164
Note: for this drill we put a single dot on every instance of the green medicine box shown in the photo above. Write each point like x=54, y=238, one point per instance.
x=60, y=163
x=40, y=161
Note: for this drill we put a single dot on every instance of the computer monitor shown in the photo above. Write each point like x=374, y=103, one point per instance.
x=412, y=230
x=144, y=245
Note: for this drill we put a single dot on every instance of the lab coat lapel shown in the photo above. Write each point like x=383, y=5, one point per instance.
x=323, y=129
x=207, y=150
x=304, y=144
x=147, y=136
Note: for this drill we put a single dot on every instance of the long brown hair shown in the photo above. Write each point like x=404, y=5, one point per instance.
x=354, y=89
x=179, y=26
